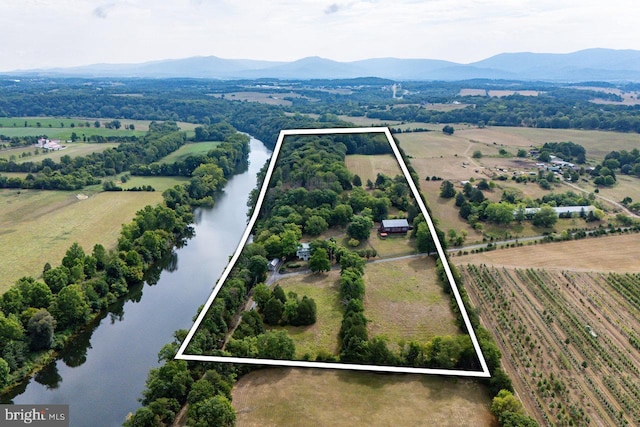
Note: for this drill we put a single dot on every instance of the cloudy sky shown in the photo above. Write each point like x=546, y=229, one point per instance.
x=60, y=33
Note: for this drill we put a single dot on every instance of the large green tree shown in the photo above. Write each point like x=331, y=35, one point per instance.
x=315, y=225
x=447, y=190
x=41, y=327
x=319, y=261
x=360, y=227
x=500, y=213
x=214, y=411
x=276, y=345
x=70, y=307
x=545, y=217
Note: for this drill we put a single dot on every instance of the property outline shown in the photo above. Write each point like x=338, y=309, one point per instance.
x=484, y=373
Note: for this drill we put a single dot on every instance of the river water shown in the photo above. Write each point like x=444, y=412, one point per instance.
x=102, y=375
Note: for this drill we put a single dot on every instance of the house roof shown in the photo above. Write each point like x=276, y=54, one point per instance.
x=304, y=246
x=394, y=223
x=561, y=209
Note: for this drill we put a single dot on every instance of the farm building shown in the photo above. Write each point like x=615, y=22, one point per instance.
x=273, y=264
x=561, y=211
x=394, y=226
x=304, y=251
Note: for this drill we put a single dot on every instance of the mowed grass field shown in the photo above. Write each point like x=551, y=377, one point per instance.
x=322, y=335
x=159, y=183
x=369, y=166
x=405, y=302
x=52, y=123
x=597, y=143
x=274, y=98
x=618, y=253
x=281, y=397
x=191, y=149
x=74, y=149
x=37, y=227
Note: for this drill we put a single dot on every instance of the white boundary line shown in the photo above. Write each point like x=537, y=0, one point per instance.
x=332, y=365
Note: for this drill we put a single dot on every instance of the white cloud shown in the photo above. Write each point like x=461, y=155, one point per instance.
x=75, y=32
x=103, y=10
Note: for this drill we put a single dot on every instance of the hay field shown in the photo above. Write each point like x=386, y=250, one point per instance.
x=282, y=397
x=74, y=149
x=444, y=211
x=322, y=335
x=390, y=246
x=368, y=166
x=159, y=183
x=501, y=93
x=39, y=226
x=190, y=149
x=273, y=98
x=472, y=92
x=366, y=121
x=597, y=143
x=611, y=253
x=404, y=301
x=625, y=186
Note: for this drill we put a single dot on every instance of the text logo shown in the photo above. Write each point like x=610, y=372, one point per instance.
x=36, y=415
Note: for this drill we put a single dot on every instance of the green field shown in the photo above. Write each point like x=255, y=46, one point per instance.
x=190, y=149
x=39, y=226
x=74, y=149
x=317, y=397
x=78, y=123
x=405, y=302
x=160, y=183
x=323, y=335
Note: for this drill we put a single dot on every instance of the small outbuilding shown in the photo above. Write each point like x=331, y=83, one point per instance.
x=273, y=264
x=394, y=226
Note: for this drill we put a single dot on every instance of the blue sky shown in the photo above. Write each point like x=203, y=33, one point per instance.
x=60, y=33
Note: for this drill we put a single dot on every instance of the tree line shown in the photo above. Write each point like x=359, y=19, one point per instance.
x=38, y=317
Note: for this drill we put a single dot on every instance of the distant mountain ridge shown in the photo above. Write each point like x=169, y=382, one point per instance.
x=585, y=65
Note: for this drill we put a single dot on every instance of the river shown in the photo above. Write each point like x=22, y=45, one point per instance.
x=102, y=374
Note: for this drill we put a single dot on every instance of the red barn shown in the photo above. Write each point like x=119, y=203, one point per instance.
x=394, y=226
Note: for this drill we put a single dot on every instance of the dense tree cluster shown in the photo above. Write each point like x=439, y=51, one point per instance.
x=557, y=109
x=567, y=151
x=475, y=208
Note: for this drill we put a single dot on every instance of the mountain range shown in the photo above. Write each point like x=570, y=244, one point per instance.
x=585, y=65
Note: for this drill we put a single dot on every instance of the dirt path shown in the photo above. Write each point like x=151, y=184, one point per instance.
x=613, y=202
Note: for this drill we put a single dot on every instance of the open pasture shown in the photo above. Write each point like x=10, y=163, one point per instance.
x=369, y=166
x=74, y=149
x=597, y=143
x=404, y=301
x=626, y=186
x=277, y=397
x=159, y=183
x=472, y=92
x=39, y=226
x=618, y=253
x=501, y=93
x=322, y=335
x=366, y=121
x=390, y=246
x=566, y=339
x=191, y=149
x=444, y=211
x=270, y=98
